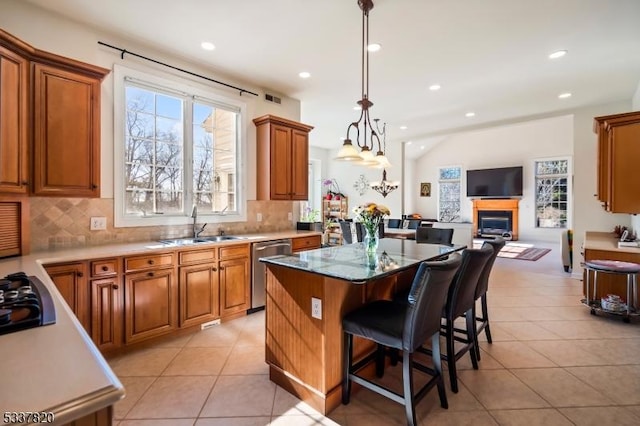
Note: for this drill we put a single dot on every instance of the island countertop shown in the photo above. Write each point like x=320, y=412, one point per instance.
x=351, y=262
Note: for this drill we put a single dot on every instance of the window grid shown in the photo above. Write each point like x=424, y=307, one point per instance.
x=449, y=194
x=552, y=200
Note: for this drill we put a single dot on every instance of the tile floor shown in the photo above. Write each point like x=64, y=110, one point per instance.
x=551, y=363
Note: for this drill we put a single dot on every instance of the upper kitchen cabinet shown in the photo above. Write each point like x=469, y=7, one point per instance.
x=49, y=119
x=282, y=159
x=618, y=159
x=14, y=110
x=66, y=121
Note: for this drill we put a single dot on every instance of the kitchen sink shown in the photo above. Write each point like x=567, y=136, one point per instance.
x=199, y=240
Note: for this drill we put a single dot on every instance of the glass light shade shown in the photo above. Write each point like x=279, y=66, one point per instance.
x=348, y=152
x=382, y=161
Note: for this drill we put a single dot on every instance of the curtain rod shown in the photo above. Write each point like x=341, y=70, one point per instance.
x=123, y=51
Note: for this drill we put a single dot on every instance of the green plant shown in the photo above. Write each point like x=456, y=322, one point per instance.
x=310, y=215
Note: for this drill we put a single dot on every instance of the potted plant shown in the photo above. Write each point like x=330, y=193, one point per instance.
x=332, y=188
x=309, y=220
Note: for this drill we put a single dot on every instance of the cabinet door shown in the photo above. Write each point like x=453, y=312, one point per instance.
x=199, y=294
x=66, y=158
x=299, y=165
x=150, y=304
x=13, y=122
x=107, y=298
x=280, y=163
x=235, y=296
x=624, y=151
x=71, y=281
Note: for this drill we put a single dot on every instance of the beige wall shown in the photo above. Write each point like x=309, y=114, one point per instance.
x=67, y=223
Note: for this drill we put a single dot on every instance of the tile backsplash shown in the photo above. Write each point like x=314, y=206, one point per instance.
x=64, y=223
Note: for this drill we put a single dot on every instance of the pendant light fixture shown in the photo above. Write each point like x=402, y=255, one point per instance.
x=384, y=187
x=366, y=136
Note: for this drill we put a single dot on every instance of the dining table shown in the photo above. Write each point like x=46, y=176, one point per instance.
x=400, y=233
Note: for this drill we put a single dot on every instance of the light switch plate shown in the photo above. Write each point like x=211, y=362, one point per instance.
x=98, y=223
x=316, y=308
x=259, y=217
x=290, y=216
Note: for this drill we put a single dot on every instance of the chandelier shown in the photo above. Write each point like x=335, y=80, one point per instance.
x=384, y=187
x=366, y=138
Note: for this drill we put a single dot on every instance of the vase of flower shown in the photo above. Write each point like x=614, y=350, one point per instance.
x=370, y=216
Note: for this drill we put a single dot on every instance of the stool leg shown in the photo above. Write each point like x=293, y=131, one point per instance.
x=347, y=342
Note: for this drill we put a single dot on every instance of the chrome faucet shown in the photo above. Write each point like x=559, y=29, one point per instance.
x=194, y=215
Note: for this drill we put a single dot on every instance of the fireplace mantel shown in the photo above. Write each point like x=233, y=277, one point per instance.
x=497, y=204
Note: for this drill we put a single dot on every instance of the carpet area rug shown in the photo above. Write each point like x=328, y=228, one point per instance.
x=520, y=251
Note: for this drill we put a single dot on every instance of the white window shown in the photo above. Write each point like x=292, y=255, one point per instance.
x=449, y=194
x=552, y=193
x=176, y=147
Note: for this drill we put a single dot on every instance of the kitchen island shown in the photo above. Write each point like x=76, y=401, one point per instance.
x=308, y=293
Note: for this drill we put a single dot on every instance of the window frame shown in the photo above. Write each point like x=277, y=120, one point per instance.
x=569, y=201
x=189, y=89
x=460, y=185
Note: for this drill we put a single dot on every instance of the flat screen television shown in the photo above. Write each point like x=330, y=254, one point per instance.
x=495, y=183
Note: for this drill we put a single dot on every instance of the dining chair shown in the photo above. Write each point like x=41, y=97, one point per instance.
x=434, y=235
x=394, y=223
x=345, y=228
x=482, y=322
x=460, y=302
x=360, y=231
x=404, y=327
x=413, y=223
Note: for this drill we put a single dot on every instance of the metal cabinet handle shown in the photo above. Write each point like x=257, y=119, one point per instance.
x=150, y=274
x=104, y=268
x=222, y=268
x=150, y=261
x=214, y=269
x=115, y=286
x=80, y=274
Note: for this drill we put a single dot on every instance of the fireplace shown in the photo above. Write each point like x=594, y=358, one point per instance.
x=495, y=217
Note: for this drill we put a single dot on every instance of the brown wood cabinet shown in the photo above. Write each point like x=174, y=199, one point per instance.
x=107, y=302
x=14, y=225
x=14, y=74
x=199, y=289
x=71, y=281
x=151, y=297
x=282, y=159
x=233, y=275
x=618, y=159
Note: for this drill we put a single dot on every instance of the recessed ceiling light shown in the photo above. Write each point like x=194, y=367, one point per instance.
x=374, y=47
x=434, y=87
x=470, y=114
x=557, y=54
x=207, y=45
x=304, y=74
x=564, y=95
x=403, y=127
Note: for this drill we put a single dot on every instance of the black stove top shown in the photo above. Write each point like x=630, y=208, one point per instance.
x=25, y=303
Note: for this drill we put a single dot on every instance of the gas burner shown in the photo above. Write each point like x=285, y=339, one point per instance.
x=25, y=303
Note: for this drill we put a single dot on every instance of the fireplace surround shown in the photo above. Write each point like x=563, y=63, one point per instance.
x=495, y=217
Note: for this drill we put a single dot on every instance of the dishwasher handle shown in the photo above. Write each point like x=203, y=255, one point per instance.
x=272, y=246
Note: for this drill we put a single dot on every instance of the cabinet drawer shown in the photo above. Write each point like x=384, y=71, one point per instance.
x=305, y=243
x=104, y=267
x=154, y=261
x=230, y=252
x=197, y=256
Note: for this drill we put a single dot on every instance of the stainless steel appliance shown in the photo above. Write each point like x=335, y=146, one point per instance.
x=258, y=271
x=25, y=302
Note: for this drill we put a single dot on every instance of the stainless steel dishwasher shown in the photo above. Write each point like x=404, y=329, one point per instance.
x=258, y=270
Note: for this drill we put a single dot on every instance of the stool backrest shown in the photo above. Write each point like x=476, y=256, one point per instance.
x=345, y=227
x=462, y=292
x=434, y=235
x=483, y=283
x=394, y=223
x=426, y=300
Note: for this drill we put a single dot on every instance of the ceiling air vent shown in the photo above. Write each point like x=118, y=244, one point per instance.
x=272, y=98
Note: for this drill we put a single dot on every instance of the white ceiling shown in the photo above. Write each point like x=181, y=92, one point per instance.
x=489, y=56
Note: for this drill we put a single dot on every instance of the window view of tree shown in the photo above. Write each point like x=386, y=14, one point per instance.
x=551, y=193
x=157, y=179
x=449, y=194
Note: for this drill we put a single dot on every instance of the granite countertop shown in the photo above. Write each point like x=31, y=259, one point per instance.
x=606, y=241
x=351, y=262
x=57, y=367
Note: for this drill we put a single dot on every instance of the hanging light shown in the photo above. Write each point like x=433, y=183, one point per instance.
x=367, y=143
x=384, y=187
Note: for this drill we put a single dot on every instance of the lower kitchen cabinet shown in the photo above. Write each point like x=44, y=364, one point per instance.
x=150, y=304
x=107, y=299
x=199, y=294
x=71, y=281
x=235, y=292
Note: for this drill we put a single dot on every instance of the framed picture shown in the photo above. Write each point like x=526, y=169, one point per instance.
x=425, y=189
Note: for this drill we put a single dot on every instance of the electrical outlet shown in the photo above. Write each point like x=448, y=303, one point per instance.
x=98, y=223
x=316, y=308
x=290, y=216
x=259, y=217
